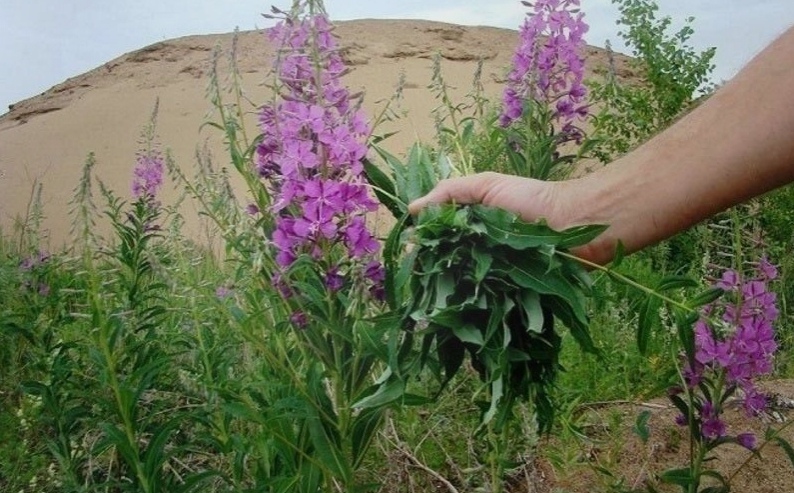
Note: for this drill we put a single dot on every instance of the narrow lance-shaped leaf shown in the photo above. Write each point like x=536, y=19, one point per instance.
x=365, y=425
x=384, y=189
x=647, y=318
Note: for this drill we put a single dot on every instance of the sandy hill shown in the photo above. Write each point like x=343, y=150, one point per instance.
x=45, y=139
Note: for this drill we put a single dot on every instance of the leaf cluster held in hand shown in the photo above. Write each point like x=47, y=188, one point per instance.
x=486, y=284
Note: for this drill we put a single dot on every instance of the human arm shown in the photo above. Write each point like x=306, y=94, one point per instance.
x=736, y=145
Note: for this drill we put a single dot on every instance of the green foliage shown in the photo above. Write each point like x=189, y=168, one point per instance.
x=490, y=286
x=480, y=281
x=773, y=213
x=670, y=73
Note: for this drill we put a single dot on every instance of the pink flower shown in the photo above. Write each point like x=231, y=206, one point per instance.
x=711, y=427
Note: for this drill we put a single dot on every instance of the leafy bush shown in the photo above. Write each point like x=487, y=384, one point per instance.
x=671, y=73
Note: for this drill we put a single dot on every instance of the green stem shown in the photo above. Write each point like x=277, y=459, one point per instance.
x=627, y=281
x=129, y=427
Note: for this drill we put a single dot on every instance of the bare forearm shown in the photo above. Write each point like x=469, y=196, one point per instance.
x=738, y=144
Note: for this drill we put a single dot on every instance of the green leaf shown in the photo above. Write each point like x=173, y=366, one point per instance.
x=532, y=276
x=503, y=228
x=117, y=438
x=684, y=323
x=497, y=392
x=377, y=139
x=620, y=254
x=399, y=171
x=155, y=454
x=680, y=404
x=469, y=333
x=646, y=320
x=310, y=477
x=243, y=411
x=421, y=173
x=384, y=189
x=530, y=303
x=445, y=287
x=451, y=353
x=676, y=282
x=443, y=166
x=724, y=487
x=496, y=320
x=416, y=400
x=386, y=393
x=391, y=254
x=706, y=297
x=365, y=425
x=327, y=450
x=192, y=481
x=580, y=235
x=782, y=443
x=13, y=328
x=680, y=477
x=482, y=263
x=575, y=320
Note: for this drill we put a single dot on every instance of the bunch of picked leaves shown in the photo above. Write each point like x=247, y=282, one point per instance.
x=479, y=281
x=487, y=284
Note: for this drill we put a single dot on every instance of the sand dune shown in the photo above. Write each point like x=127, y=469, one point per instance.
x=45, y=139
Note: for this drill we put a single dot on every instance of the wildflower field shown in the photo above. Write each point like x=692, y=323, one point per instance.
x=459, y=349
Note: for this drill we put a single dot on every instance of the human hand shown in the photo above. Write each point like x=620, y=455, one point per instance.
x=559, y=203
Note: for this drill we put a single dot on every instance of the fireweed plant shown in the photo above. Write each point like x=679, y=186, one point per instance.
x=327, y=269
x=126, y=354
x=544, y=97
x=733, y=343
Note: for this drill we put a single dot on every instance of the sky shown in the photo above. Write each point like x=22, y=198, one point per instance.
x=44, y=42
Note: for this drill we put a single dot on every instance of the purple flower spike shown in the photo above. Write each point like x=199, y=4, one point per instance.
x=27, y=264
x=148, y=174
x=713, y=428
x=312, y=152
x=767, y=269
x=754, y=402
x=547, y=64
x=735, y=344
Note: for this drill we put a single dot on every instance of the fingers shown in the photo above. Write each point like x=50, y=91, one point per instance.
x=464, y=190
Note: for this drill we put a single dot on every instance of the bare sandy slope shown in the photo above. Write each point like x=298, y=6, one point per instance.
x=46, y=139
